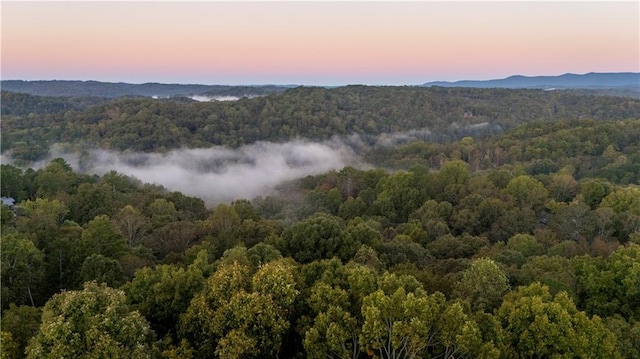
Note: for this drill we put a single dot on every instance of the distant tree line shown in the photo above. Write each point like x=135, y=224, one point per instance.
x=107, y=90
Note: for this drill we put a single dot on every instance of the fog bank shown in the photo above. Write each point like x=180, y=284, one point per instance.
x=220, y=174
x=201, y=98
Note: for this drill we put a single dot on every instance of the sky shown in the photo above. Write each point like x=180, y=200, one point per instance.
x=315, y=43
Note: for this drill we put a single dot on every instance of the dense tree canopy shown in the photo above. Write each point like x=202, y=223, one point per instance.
x=95, y=322
x=462, y=243
x=374, y=113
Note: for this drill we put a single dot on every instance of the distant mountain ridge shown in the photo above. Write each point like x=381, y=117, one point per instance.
x=621, y=83
x=592, y=80
x=118, y=89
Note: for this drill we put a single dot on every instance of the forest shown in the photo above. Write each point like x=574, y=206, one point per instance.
x=506, y=225
x=32, y=124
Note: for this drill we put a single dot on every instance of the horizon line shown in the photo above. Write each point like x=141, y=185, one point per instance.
x=314, y=85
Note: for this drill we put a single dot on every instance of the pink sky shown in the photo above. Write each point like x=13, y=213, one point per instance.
x=315, y=43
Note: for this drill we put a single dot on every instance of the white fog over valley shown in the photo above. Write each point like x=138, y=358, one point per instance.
x=200, y=98
x=222, y=174
x=217, y=174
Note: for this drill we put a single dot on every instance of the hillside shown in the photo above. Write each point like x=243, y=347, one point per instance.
x=376, y=115
x=111, y=89
x=598, y=81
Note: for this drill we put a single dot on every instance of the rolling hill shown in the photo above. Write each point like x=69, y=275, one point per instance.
x=592, y=80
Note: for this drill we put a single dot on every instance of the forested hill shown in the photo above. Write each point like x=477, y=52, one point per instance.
x=587, y=81
x=436, y=114
x=18, y=104
x=111, y=89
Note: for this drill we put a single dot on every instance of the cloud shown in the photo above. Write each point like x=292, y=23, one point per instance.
x=220, y=174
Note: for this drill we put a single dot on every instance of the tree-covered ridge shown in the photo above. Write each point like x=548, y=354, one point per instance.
x=120, y=89
x=592, y=80
x=434, y=114
x=590, y=148
x=20, y=104
x=522, y=245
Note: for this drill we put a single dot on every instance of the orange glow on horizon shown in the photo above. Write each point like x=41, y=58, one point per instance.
x=304, y=42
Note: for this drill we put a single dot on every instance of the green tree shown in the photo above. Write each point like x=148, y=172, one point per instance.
x=513, y=221
x=22, y=270
x=434, y=217
x=527, y=191
x=174, y=237
x=163, y=292
x=95, y=322
x=223, y=224
x=463, y=246
x=132, y=224
x=189, y=208
x=449, y=181
x=483, y=285
x=56, y=177
x=352, y=208
x=574, y=221
x=235, y=316
x=628, y=334
x=592, y=191
x=102, y=269
x=91, y=200
x=64, y=256
x=262, y=253
x=554, y=271
x=224, y=219
x=359, y=231
x=334, y=335
x=317, y=237
x=610, y=286
x=42, y=220
x=101, y=236
x=251, y=232
x=10, y=348
x=397, y=197
x=562, y=187
x=6, y=219
x=22, y=322
x=625, y=202
x=525, y=244
x=12, y=182
x=252, y=327
x=367, y=256
x=162, y=212
x=407, y=324
x=276, y=279
x=538, y=324
x=199, y=324
x=245, y=210
x=335, y=302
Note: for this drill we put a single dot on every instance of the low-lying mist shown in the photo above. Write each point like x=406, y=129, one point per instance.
x=201, y=98
x=220, y=174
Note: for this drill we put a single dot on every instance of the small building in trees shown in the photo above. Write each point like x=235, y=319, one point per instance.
x=8, y=201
